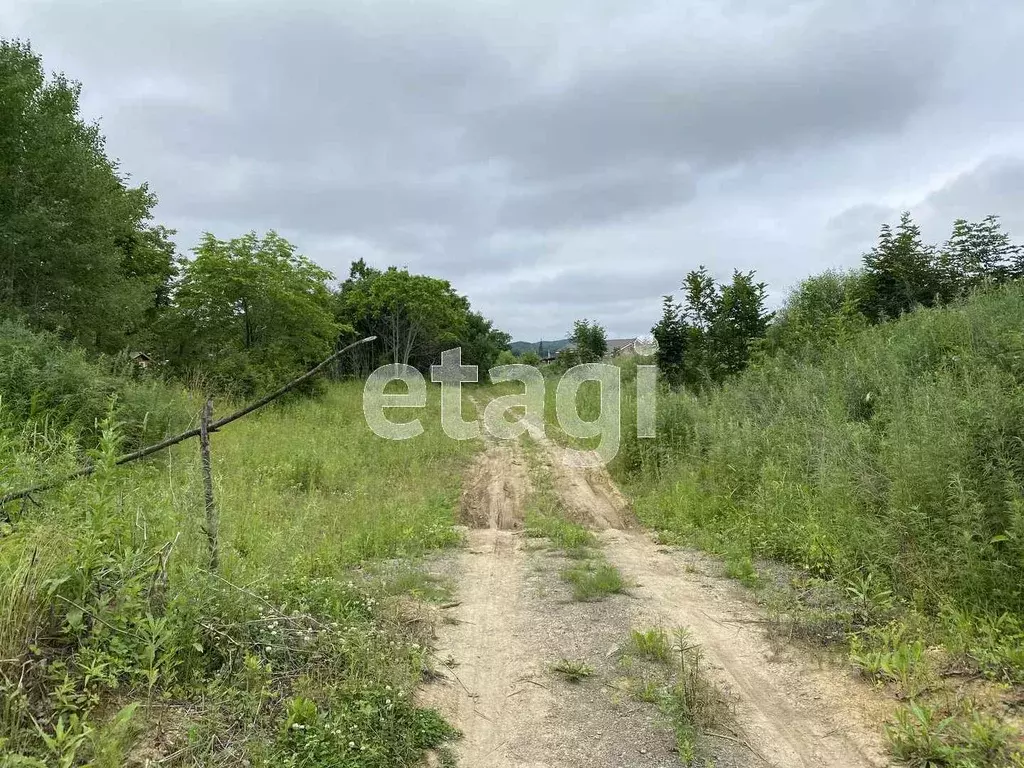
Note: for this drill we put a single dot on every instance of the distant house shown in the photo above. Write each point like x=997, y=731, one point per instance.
x=621, y=347
x=141, y=359
x=615, y=348
x=551, y=355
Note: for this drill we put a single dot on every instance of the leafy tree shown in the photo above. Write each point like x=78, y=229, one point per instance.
x=506, y=357
x=740, y=319
x=590, y=341
x=821, y=311
x=900, y=273
x=481, y=342
x=703, y=299
x=78, y=253
x=529, y=358
x=250, y=312
x=701, y=305
x=709, y=336
x=567, y=357
x=413, y=316
x=977, y=253
x=672, y=334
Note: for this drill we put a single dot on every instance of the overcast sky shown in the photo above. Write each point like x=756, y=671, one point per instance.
x=556, y=159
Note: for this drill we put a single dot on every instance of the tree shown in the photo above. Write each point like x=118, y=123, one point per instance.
x=900, y=273
x=709, y=335
x=700, y=307
x=590, y=341
x=740, y=319
x=672, y=334
x=78, y=254
x=481, y=342
x=530, y=358
x=414, y=317
x=702, y=298
x=977, y=253
x=506, y=357
x=819, y=312
x=250, y=312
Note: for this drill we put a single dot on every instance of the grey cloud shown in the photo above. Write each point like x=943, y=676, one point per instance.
x=853, y=232
x=821, y=79
x=316, y=205
x=580, y=201
x=589, y=287
x=995, y=186
x=552, y=163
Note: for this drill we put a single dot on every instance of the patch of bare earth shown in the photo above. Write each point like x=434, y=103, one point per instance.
x=515, y=620
x=589, y=496
x=792, y=711
x=495, y=489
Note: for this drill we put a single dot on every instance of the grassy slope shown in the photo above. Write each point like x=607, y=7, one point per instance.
x=290, y=658
x=889, y=474
x=900, y=454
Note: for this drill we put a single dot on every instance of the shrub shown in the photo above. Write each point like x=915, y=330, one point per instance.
x=58, y=387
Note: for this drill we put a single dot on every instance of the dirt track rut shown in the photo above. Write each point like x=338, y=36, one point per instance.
x=515, y=619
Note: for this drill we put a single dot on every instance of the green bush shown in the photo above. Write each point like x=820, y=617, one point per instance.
x=59, y=388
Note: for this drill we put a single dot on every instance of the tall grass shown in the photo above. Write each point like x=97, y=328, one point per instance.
x=900, y=454
x=287, y=656
x=57, y=388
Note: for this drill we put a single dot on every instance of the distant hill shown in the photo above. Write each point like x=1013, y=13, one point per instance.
x=531, y=346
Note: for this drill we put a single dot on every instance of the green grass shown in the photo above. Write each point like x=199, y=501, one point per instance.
x=296, y=653
x=922, y=736
x=897, y=454
x=594, y=580
x=887, y=469
x=650, y=644
x=564, y=534
x=573, y=670
x=668, y=670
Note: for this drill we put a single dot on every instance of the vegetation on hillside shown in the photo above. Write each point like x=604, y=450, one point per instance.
x=897, y=453
x=718, y=330
x=886, y=467
x=541, y=348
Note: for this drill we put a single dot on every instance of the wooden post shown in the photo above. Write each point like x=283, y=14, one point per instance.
x=204, y=452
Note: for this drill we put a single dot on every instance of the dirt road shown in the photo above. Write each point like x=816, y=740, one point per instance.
x=516, y=619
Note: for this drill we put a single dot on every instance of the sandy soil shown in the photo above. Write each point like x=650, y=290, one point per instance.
x=515, y=619
x=793, y=712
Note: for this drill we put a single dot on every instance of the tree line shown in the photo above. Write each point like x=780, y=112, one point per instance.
x=716, y=330
x=82, y=257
